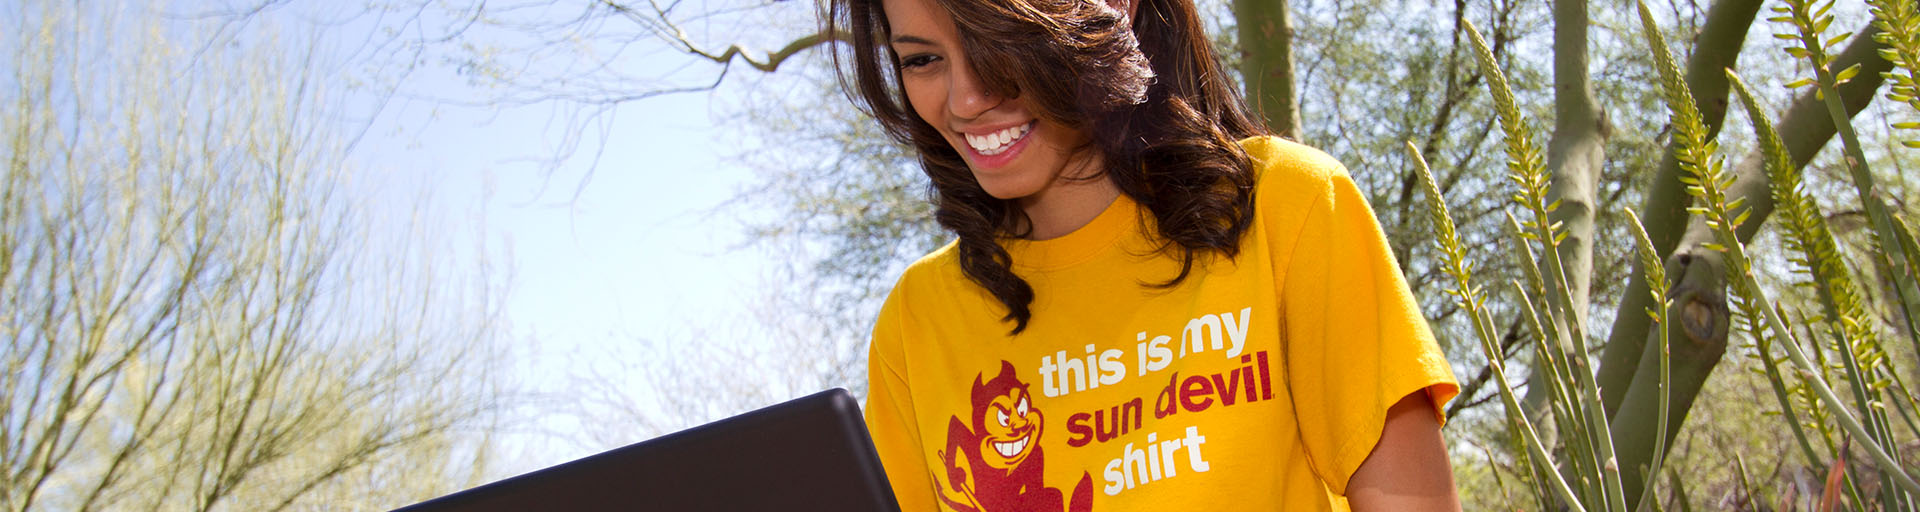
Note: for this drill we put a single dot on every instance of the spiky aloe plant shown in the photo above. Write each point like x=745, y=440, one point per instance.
x=1899, y=22
x=1817, y=254
x=1472, y=299
x=1708, y=182
x=1809, y=20
x=1859, y=347
x=1591, y=478
x=1843, y=335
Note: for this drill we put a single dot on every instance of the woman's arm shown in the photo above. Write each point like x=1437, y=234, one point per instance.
x=1408, y=469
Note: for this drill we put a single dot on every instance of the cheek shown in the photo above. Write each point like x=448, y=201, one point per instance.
x=928, y=100
x=995, y=430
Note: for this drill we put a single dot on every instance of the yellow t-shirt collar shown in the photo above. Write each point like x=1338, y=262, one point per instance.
x=1102, y=234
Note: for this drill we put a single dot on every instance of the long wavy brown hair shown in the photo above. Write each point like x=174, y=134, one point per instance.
x=1153, y=97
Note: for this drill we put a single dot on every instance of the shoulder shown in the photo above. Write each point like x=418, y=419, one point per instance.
x=935, y=269
x=1290, y=172
x=1293, y=181
x=923, y=280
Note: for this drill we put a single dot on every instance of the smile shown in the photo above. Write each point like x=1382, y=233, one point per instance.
x=997, y=142
x=1013, y=448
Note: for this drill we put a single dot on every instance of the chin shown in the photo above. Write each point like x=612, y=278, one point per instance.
x=1008, y=188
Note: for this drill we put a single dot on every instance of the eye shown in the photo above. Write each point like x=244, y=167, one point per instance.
x=917, y=60
x=1000, y=414
x=1021, y=409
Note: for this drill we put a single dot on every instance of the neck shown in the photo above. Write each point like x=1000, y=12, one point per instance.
x=1069, y=204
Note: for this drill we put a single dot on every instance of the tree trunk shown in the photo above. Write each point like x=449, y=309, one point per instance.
x=1665, y=208
x=1266, y=63
x=1576, y=152
x=1699, y=337
x=1574, y=158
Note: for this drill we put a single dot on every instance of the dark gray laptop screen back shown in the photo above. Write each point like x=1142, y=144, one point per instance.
x=810, y=453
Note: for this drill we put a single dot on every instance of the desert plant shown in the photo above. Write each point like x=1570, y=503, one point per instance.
x=1585, y=464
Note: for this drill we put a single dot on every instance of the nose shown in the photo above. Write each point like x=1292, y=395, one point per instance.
x=967, y=96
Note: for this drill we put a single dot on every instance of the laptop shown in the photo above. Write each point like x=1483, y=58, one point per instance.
x=810, y=453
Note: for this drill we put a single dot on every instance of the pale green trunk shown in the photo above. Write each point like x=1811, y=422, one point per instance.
x=1266, y=63
x=1574, y=157
x=1665, y=208
x=1577, y=150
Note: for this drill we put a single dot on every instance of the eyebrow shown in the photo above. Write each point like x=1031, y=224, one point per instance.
x=912, y=40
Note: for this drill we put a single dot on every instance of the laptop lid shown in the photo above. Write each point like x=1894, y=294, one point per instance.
x=810, y=453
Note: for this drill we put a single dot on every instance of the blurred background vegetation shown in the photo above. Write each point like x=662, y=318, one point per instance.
x=204, y=308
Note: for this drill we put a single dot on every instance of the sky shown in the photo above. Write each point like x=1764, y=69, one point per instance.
x=629, y=257
x=634, y=237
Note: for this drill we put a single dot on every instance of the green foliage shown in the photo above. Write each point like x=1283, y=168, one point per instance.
x=1588, y=479
x=1810, y=20
x=1857, y=341
x=1563, y=352
x=1470, y=299
x=1899, y=23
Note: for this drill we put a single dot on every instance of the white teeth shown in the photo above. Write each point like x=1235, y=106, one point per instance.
x=1010, y=449
x=997, y=142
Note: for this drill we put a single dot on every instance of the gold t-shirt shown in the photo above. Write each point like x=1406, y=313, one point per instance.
x=1261, y=382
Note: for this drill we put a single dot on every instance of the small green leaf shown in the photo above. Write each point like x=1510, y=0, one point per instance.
x=1847, y=74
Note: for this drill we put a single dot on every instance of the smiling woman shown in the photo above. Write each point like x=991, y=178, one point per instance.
x=1126, y=235
x=1080, y=80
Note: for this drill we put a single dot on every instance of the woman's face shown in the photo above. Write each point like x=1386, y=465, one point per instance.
x=1012, y=153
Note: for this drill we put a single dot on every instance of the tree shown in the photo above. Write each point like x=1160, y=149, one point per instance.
x=196, y=312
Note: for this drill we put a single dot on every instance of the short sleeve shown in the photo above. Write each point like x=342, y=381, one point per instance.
x=890, y=415
x=1356, y=342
